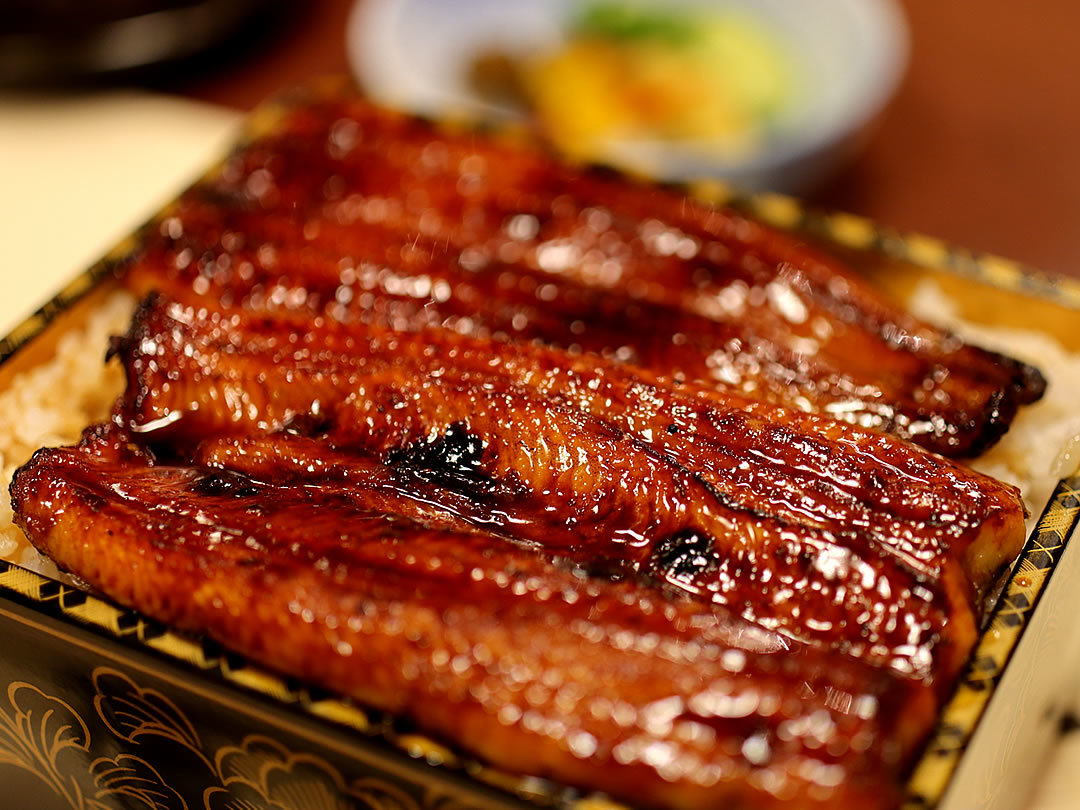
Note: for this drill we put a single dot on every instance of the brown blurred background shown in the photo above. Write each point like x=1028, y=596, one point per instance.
x=978, y=147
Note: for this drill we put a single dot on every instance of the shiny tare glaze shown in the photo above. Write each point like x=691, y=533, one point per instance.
x=580, y=475
x=363, y=213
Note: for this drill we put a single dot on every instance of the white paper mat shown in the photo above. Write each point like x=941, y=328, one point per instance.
x=79, y=172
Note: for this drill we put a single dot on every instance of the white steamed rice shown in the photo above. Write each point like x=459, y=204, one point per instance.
x=1043, y=443
x=52, y=403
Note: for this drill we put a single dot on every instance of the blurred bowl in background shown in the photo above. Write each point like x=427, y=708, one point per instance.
x=845, y=59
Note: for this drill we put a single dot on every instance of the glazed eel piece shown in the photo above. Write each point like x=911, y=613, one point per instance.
x=839, y=536
x=578, y=257
x=523, y=659
x=415, y=282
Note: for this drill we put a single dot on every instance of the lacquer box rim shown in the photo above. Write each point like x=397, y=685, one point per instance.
x=188, y=657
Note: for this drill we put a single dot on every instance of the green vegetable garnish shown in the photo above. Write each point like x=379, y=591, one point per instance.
x=630, y=21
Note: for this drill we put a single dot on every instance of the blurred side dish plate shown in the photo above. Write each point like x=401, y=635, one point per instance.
x=763, y=93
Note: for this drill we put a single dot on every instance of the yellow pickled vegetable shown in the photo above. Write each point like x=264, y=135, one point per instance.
x=715, y=77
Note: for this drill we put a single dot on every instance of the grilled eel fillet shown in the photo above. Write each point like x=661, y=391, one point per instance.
x=523, y=658
x=365, y=214
x=832, y=534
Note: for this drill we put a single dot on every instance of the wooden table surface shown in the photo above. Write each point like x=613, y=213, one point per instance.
x=979, y=146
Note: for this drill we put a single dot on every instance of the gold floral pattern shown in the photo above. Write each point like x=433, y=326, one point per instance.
x=134, y=778
x=261, y=773
x=131, y=712
x=37, y=732
x=42, y=734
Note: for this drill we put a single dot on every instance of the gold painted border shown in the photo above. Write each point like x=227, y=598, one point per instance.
x=861, y=234
x=312, y=733
x=931, y=775
x=927, y=786
x=72, y=606
x=1011, y=615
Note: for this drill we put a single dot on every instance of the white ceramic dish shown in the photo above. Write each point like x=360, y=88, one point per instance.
x=851, y=54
